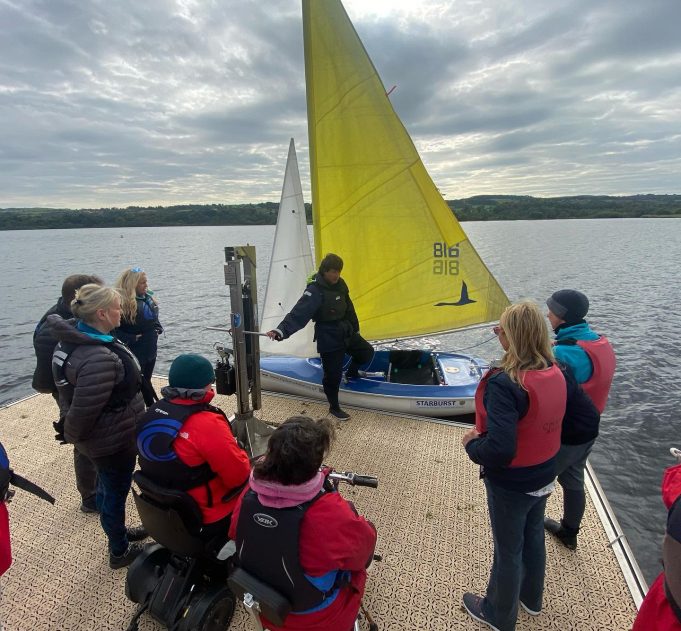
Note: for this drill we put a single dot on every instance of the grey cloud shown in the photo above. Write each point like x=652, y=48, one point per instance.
x=166, y=102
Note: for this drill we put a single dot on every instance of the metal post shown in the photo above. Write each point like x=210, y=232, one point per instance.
x=233, y=280
x=250, y=294
x=240, y=277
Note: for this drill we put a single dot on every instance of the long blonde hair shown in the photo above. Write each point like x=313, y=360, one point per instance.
x=529, y=344
x=89, y=298
x=127, y=286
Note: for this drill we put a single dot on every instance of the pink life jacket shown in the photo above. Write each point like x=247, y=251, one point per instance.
x=538, y=438
x=603, y=360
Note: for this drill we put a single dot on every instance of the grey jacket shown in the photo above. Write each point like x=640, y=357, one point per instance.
x=92, y=371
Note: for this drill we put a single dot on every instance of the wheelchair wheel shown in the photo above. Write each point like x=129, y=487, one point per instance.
x=210, y=610
x=144, y=572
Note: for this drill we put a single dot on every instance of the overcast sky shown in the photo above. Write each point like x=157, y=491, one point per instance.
x=120, y=102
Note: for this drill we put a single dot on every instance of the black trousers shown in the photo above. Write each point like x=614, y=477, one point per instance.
x=217, y=530
x=148, y=391
x=86, y=473
x=360, y=352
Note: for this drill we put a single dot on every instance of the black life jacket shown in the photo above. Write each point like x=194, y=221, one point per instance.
x=263, y=536
x=123, y=392
x=156, y=431
x=334, y=301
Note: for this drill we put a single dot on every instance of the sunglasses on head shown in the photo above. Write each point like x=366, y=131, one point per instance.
x=136, y=270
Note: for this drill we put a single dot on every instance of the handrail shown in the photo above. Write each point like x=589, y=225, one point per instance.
x=618, y=540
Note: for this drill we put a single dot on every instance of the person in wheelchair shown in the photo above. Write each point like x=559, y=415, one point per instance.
x=293, y=532
x=187, y=444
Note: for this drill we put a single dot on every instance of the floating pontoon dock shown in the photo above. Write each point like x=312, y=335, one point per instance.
x=430, y=512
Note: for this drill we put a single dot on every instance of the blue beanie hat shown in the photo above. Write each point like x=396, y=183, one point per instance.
x=569, y=305
x=190, y=371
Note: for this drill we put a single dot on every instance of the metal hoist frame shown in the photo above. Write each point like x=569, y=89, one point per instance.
x=240, y=277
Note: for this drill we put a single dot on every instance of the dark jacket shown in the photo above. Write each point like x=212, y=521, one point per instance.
x=330, y=335
x=44, y=343
x=582, y=418
x=506, y=403
x=141, y=336
x=92, y=371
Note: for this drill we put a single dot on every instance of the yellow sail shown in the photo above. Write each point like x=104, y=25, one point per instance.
x=409, y=265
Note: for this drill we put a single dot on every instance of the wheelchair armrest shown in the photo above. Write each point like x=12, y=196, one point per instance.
x=273, y=605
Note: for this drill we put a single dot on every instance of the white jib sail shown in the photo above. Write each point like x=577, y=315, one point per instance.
x=290, y=266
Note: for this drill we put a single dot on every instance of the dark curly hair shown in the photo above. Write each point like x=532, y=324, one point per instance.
x=296, y=450
x=331, y=261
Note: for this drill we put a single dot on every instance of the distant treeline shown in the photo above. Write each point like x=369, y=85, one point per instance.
x=478, y=208
x=495, y=207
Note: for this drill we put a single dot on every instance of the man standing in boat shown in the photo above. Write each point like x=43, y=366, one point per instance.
x=590, y=358
x=326, y=300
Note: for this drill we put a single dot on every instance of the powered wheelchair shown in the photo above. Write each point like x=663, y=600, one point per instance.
x=181, y=580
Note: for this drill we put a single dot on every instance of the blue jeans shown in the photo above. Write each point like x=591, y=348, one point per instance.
x=517, y=521
x=113, y=486
x=570, y=464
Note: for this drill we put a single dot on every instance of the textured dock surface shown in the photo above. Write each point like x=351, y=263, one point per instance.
x=430, y=512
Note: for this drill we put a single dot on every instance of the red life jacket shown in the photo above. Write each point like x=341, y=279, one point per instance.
x=5, y=542
x=603, y=360
x=538, y=437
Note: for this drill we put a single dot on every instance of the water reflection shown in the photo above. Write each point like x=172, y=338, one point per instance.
x=627, y=267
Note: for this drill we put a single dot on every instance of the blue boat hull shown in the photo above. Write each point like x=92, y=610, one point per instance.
x=424, y=383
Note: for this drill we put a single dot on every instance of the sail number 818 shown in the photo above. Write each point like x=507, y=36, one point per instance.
x=446, y=259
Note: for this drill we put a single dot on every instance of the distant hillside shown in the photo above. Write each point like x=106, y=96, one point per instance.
x=494, y=207
x=133, y=216
x=478, y=208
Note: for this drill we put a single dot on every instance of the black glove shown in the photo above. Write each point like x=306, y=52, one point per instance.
x=59, y=428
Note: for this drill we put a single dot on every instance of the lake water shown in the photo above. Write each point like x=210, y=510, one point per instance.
x=627, y=267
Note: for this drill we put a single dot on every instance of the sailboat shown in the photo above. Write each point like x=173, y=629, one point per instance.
x=409, y=265
x=290, y=266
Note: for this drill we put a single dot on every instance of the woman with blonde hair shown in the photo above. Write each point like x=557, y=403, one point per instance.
x=139, y=327
x=99, y=379
x=519, y=408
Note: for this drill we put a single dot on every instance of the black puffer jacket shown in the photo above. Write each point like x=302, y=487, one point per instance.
x=44, y=343
x=94, y=428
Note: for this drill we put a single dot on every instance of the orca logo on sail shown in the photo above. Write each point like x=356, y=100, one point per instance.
x=464, y=299
x=264, y=520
